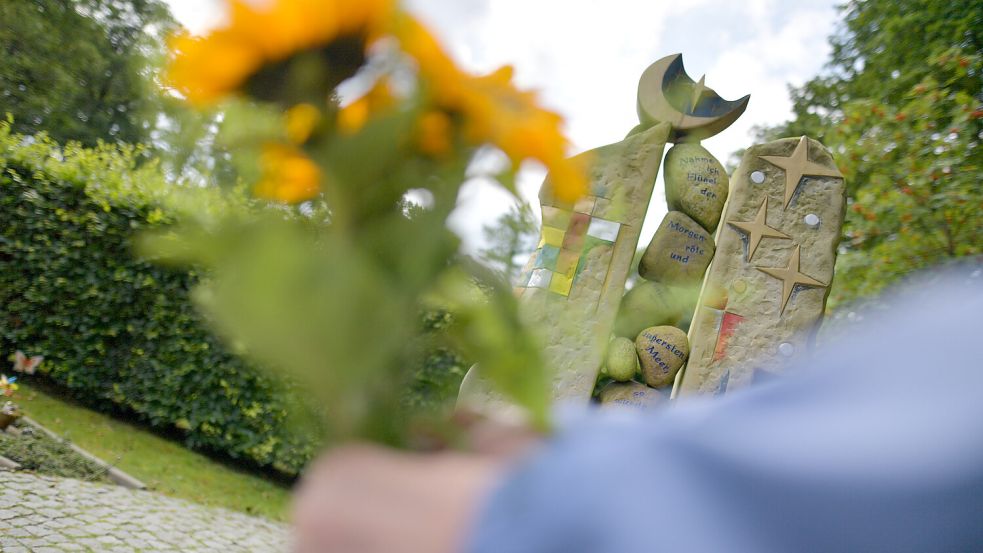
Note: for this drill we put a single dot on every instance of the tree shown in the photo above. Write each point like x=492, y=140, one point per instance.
x=510, y=237
x=77, y=68
x=901, y=107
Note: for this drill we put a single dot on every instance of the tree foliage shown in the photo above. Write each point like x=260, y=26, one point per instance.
x=901, y=107
x=121, y=334
x=77, y=68
x=510, y=237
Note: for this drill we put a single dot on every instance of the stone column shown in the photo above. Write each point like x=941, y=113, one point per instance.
x=765, y=291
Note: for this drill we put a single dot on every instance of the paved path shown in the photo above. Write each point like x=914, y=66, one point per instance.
x=41, y=514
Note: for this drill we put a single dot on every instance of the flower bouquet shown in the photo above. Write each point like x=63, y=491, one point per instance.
x=359, y=131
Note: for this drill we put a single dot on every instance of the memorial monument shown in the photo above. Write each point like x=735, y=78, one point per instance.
x=750, y=233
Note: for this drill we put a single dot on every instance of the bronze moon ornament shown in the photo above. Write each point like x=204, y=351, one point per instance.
x=666, y=94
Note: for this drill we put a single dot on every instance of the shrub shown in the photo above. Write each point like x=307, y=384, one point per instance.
x=119, y=333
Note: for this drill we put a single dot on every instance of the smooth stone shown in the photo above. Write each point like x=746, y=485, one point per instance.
x=679, y=253
x=630, y=394
x=696, y=183
x=621, y=362
x=647, y=304
x=662, y=350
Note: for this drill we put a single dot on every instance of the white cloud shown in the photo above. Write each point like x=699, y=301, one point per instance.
x=197, y=15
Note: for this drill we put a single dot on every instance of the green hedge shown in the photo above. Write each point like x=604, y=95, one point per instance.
x=122, y=334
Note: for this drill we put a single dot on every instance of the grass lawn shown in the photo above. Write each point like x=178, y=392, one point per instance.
x=164, y=466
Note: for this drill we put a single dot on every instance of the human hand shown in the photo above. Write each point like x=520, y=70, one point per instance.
x=367, y=499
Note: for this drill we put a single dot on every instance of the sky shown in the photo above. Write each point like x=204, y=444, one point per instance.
x=584, y=57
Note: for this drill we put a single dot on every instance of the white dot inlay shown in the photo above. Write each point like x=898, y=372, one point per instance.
x=757, y=177
x=786, y=349
x=811, y=220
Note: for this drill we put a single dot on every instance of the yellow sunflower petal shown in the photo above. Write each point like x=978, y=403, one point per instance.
x=207, y=68
x=434, y=134
x=301, y=121
x=353, y=117
x=288, y=175
x=204, y=70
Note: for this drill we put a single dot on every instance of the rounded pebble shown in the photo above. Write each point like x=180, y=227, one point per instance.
x=647, y=304
x=630, y=394
x=696, y=183
x=662, y=350
x=679, y=253
x=621, y=362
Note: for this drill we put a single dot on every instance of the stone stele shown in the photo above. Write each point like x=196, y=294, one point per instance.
x=696, y=183
x=662, y=350
x=765, y=291
x=679, y=252
x=571, y=287
x=630, y=394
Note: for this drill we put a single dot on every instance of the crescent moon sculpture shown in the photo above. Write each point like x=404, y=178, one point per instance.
x=666, y=94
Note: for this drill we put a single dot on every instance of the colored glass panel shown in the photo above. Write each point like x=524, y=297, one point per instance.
x=555, y=217
x=728, y=324
x=566, y=262
x=540, y=278
x=550, y=254
x=524, y=279
x=579, y=223
x=553, y=236
x=603, y=229
x=561, y=284
x=574, y=242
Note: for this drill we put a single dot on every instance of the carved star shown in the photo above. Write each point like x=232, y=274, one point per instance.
x=791, y=277
x=757, y=229
x=698, y=90
x=797, y=166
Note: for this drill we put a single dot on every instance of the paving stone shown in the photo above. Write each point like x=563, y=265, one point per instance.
x=40, y=514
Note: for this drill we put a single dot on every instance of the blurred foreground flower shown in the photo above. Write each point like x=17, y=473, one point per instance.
x=332, y=294
x=288, y=175
x=494, y=111
x=205, y=69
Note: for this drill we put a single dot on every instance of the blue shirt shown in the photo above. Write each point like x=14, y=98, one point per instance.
x=874, y=444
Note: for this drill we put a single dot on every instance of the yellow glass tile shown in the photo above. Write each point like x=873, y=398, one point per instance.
x=561, y=284
x=553, y=236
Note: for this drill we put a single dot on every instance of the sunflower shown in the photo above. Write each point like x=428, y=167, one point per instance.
x=289, y=176
x=494, y=111
x=300, y=122
x=207, y=68
x=379, y=98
